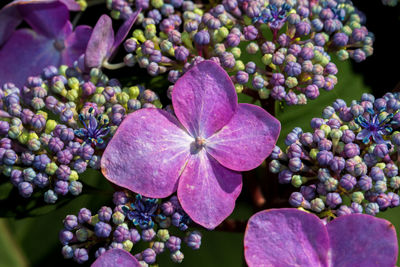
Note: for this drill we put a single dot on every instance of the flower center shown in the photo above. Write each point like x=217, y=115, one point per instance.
x=200, y=142
x=59, y=44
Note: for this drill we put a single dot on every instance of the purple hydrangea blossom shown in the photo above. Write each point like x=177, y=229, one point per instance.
x=290, y=237
x=116, y=257
x=50, y=40
x=200, y=153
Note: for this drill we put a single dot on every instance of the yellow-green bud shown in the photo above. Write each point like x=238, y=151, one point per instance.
x=99, y=99
x=157, y=3
x=357, y=197
x=138, y=34
x=122, y=98
x=163, y=235
x=23, y=137
x=72, y=95
x=266, y=59
x=313, y=153
x=73, y=83
x=223, y=32
x=62, y=69
x=94, y=219
x=239, y=65
x=118, y=217
x=50, y=125
x=264, y=93
x=73, y=176
x=326, y=129
x=127, y=245
x=51, y=168
x=236, y=52
x=291, y=82
x=239, y=88
x=133, y=92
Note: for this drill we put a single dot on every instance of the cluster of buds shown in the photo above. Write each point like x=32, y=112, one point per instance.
x=133, y=219
x=58, y=124
x=348, y=164
x=293, y=39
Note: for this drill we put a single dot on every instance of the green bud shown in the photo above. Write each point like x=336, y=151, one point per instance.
x=157, y=103
x=50, y=125
x=82, y=4
x=369, y=50
x=239, y=88
x=355, y=17
x=252, y=48
x=313, y=153
x=34, y=144
x=127, y=245
x=239, y=65
x=266, y=59
x=57, y=87
x=381, y=165
x=311, y=45
x=122, y=98
x=318, y=57
x=82, y=234
x=7, y=170
x=14, y=132
x=357, y=197
x=326, y=129
x=336, y=134
x=115, y=14
x=118, y=217
x=297, y=181
x=99, y=99
x=72, y=95
x=94, y=219
x=198, y=11
x=23, y=137
x=165, y=46
x=157, y=3
x=344, y=127
x=138, y=34
x=291, y=82
x=62, y=69
x=216, y=37
x=73, y=176
x=133, y=92
x=353, y=126
x=163, y=235
x=347, y=30
x=236, y=52
x=187, y=40
x=354, y=25
x=264, y=93
x=150, y=31
x=51, y=168
x=223, y=32
x=73, y=83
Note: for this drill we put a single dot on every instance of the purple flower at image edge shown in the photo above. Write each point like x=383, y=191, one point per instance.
x=116, y=257
x=291, y=237
x=51, y=40
x=200, y=153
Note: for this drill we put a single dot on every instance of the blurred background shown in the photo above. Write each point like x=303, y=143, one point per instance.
x=29, y=234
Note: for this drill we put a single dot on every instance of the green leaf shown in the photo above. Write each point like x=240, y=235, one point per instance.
x=10, y=252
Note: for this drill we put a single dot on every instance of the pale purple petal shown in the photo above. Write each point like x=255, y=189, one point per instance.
x=204, y=99
x=76, y=44
x=100, y=43
x=26, y=54
x=285, y=237
x=71, y=4
x=124, y=30
x=48, y=19
x=246, y=140
x=365, y=133
x=207, y=190
x=147, y=153
x=362, y=240
x=116, y=257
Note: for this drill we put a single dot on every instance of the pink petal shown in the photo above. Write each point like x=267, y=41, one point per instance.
x=25, y=54
x=76, y=44
x=100, y=42
x=246, y=140
x=204, y=99
x=362, y=240
x=285, y=237
x=147, y=153
x=207, y=191
x=48, y=19
x=116, y=257
x=124, y=30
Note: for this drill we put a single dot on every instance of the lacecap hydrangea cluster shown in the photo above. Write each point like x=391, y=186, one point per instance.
x=349, y=162
x=57, y=125
x=289, y=42
x=134, y=219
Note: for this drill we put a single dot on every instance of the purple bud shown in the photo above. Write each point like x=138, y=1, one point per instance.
x=102, y=229
x=333, y=199
x=25, y=189
x=348, y=182
x=193, y=240
x=202, y=37
x=181, y=53
x=296, y=199
x=65, y=236
x=340, y=39
x=105, y=214
x=70, y=222
x=351, y=150
x=173, y=243
x=149, y=256
x=81, y=255
x=61, y=187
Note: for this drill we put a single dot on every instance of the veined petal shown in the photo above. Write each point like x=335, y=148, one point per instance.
x=25, y=54
x=124, y=30
x=204, y=99
x=76, y=44
x=246, y=140
x=48, y=19
x=147, y=153
x=285, y=237
x=10, y=19
x=365, y=134
x=362, y=240
x=116, y=257
x=100, y=42
x=207, y=190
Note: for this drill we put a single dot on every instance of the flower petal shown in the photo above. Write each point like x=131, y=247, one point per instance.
x=285, y=237
x=362, y=240
x=147, y=153
x=124, y=30
x=100, y=42
x=10, y=19
x=76, y=44
x=246, y=140
x=204, y=99
x=25, y=54
x=207, y=190
x=48, y=19
x=116, y=257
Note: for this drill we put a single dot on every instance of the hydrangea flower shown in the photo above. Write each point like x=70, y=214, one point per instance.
x=290, y=237
x=50, y=41
x=200, y=153
x=116, y=257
